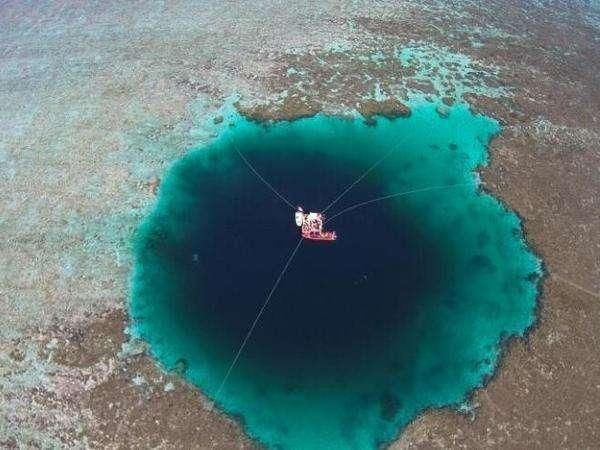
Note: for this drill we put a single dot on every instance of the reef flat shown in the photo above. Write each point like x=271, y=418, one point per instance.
x=99, y=99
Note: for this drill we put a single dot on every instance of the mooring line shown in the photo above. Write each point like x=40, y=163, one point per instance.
x=398, y=194
x=260, y=177
x=358, y=180
x=253, y=326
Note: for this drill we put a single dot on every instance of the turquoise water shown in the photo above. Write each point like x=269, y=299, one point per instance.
x=406, y=311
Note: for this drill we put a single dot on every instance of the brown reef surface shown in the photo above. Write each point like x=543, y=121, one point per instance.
x=98, y=99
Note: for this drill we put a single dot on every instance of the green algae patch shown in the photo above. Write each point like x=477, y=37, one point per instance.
x=407, y=310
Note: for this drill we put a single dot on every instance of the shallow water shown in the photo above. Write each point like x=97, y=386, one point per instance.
x=407, y=310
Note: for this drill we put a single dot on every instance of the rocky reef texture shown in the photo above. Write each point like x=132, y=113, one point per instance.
x=98, y=99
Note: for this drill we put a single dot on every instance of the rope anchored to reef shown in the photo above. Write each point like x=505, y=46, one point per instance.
x=358, y=180
x=256, y=319
x=261, y=178
x=397, y=194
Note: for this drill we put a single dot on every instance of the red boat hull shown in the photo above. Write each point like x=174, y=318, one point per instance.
x=316, y=236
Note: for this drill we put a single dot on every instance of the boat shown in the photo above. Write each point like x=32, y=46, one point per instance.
x=311, y=226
